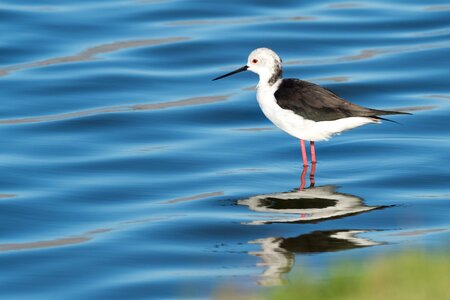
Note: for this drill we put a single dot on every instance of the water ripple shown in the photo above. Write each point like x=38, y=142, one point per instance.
x=369, y=54
x=117, y=109
x=90, y=53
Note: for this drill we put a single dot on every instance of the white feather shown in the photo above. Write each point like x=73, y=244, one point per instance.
x=295, y=124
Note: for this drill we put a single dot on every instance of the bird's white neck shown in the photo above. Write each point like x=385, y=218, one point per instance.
x=270, y=75
x=265, y=84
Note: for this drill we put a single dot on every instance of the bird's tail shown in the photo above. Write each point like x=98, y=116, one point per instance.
x=378, y=112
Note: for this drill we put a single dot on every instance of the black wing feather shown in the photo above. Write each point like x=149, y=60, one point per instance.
x=316, y=103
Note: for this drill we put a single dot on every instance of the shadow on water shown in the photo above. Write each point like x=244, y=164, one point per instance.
x=313, y=204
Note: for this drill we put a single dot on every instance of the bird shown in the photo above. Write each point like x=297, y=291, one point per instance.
x=303, y=109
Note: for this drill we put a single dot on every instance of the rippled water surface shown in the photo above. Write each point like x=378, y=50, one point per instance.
x=127, y=174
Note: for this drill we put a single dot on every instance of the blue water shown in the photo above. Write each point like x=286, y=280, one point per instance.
x=127, y=174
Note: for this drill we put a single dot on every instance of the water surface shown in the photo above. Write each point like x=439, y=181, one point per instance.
x=127, y=174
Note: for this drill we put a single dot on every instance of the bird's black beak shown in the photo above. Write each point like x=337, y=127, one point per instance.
x=244, y=68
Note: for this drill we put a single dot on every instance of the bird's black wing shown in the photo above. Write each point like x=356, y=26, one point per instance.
x=316, y=103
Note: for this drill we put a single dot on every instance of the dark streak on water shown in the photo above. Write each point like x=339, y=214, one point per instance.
x=128, y=174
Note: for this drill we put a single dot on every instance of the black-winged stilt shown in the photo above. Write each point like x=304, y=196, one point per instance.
x=303, y=109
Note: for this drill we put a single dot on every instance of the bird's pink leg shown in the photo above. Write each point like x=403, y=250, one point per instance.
x=305, y=159
x=302, y=178
x=313, y=152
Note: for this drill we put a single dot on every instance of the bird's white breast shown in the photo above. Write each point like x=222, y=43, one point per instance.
x=298, y=126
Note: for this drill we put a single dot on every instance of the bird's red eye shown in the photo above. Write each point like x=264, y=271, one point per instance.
x=255, y=61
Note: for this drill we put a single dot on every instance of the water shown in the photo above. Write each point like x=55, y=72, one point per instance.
x=127, y=174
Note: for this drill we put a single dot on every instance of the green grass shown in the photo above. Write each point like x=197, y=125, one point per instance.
x=405, y=276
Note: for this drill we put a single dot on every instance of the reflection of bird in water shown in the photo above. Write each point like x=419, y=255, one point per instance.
x=303, y=109
x=309, y=205
x=304, y=205
x=278, y=254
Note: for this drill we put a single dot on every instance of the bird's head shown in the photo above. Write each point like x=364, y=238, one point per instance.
x=264, y=62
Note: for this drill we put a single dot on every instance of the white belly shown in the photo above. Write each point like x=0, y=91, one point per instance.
x=296, y=125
